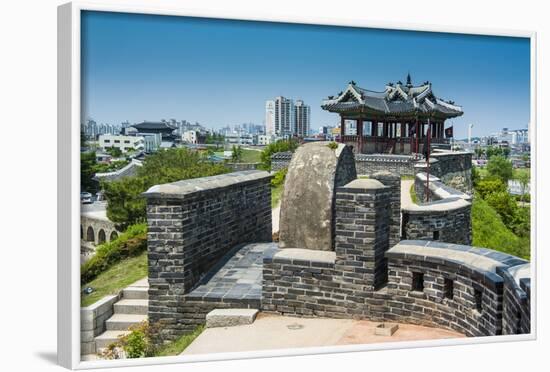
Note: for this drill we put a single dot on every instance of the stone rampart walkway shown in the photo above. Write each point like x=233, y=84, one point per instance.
x=238, y=276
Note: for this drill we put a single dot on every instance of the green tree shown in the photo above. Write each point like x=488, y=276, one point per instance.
x=279, y=146
x=500, y=167
x=493, y=151
x=126, y=206
x=475, y=176
x=505, y=206
x=88, y=164
x=115, y=152
x=479, y=152
x=523, y=179
x=236, y=154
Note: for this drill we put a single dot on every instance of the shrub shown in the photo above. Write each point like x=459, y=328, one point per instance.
x=272, y=148
x=279, y=177
x=489, y=231
x=504, y=204
x=332, y=145
x=130, y=243
x=488, y=186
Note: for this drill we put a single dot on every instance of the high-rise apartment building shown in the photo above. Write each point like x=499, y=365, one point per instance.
x=301, y=119
x=285, y=119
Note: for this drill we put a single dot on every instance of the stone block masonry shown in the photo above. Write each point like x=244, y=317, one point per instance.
x=456, y=287
x=517, y=297
x=393, y=181
x=446, y=218
x=192, y=224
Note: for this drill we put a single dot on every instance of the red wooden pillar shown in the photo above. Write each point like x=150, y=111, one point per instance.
x=342, y=128
x=359, y=136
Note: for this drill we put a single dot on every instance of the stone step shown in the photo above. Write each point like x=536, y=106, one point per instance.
x=135, y=293
x=230, y=317
x=107, y=338
x=121, y=322
x=126, y=306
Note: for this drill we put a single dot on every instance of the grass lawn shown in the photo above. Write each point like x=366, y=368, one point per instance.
x=276, y=193
x=413, y=194
x=489, y=231
x=251, y=156
x=178, y=346
x=116, y=278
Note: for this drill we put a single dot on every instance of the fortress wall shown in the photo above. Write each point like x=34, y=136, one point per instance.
x=457, y=287
x=517, y=296
x=192, y=224
x=447, y=217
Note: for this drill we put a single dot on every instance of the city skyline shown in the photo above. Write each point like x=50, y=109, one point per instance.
x=221, y=72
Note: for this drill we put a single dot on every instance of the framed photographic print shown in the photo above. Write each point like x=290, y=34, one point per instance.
x=250, y=187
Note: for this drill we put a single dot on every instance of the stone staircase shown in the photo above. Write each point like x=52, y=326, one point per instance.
x=130, y=310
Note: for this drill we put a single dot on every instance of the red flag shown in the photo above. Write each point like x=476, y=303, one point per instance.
x=449, y=132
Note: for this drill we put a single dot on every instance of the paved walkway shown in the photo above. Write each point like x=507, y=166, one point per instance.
x=279, y=332
x=275, y=213
x=238, y=275
x=406, y=193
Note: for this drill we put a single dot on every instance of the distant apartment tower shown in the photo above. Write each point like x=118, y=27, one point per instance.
x=284, y=116
x=301, y=119
x=270, y=117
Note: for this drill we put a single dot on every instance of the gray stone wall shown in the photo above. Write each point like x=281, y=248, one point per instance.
x=191, y=225
x=280, y=160
x=516, y=307
x=238, y=167
x=444, y=221
x=454, y=169
x=457, y=287
x=393, y=181
x=307, y=203
x=474, y=307
x=402, y=165
x=363, y=231
x=447, y=217
x=460, y=289
x=92, y=322
x=364, y=163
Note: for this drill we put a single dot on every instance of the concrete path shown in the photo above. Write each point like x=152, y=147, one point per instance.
x=275, y=213
x=279, y=332
x=405, y=193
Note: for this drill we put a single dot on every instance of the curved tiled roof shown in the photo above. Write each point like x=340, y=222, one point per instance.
x=395, y=100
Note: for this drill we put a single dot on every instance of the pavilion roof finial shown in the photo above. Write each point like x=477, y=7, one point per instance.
x=409, y=83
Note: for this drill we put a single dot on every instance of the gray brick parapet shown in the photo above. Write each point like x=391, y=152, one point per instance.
x=393, y=181
x=453, y=168
x=447, y=285
x=435, y=284
x=191, y=225
x=368, y=164
x=363, y=231
x=447, y=217
x=517, y=294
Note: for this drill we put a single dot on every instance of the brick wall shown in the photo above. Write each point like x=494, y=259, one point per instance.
x=191, y=225
x=393, y=181
x=397, y=164
x=516, y=305
x=460, y=286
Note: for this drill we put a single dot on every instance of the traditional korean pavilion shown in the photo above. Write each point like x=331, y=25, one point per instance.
x=395, y=121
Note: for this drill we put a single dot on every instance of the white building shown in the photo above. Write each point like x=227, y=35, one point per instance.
x=189, y=136
x=124, y=143
x=301, y=119
x=270, y=117
x=263, y=140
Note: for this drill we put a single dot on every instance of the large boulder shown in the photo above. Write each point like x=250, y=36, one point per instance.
x=307, y=206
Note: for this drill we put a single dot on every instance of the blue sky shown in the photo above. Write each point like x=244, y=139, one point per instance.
x=221, y=72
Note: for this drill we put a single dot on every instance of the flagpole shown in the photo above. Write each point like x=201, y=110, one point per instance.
x=429, y=134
